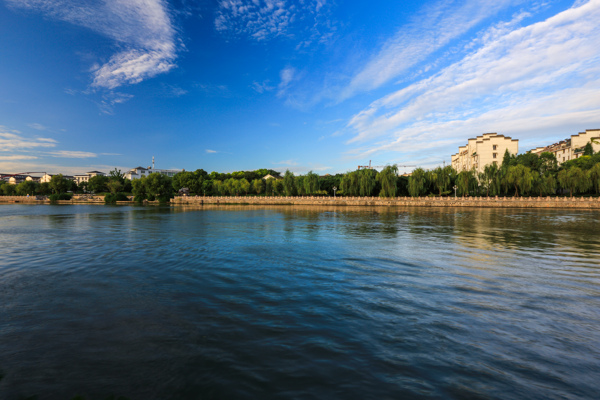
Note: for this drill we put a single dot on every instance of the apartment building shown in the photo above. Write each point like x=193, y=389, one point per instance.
x=572, y=148
x=86, y=177
x=139, y=172
x=483, y=150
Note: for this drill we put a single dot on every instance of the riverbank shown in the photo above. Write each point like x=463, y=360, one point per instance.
x=486, y=202
x=483, y=202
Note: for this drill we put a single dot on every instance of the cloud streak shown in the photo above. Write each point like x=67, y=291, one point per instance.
x=142, y=28
x=11, y=140
x=518, y=81
x=435, y=27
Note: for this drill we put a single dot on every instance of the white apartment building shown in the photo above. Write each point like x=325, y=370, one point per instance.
x=86, y=177
x=483, y=150
x=572, y=148
x=138, y=172
x=47, y=177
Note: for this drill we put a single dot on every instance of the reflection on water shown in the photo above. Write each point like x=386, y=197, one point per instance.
x=298, y=302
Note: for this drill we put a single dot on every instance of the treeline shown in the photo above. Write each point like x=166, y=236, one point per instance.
x=524, y=174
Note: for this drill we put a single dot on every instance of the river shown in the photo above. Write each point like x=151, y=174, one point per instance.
x=244, y=302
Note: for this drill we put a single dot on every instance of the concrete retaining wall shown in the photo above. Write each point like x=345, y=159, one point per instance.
x=520, y=202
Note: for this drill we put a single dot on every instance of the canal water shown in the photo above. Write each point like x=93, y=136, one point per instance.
x=299, y=303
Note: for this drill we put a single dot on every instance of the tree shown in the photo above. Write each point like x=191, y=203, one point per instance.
x=349, y=184
x=416, y=182
x=388, y=178
x=311, y=183
x=588, y=150
x=466, y=182
x=159, y=185
x=548, y=163
x=289, y=183
x=97, y=184
x=441, y=178
x=116, y=175
x=244, y=185
x=257, y=186
x=8, y=189
x=594, y=175
x=574, y=179
x=269, y=190
x=487, y=178
x=59, y=184
x=26, y=187
x=114, y=185
x=139, y=189
x=544, y=184
x=507, y=160
x=366, y=181
x=521, y=177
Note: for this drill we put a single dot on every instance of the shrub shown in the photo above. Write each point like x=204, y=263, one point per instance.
x=59, y=196
x=113, y=198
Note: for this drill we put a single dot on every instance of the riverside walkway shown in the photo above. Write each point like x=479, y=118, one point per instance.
x=508, y=202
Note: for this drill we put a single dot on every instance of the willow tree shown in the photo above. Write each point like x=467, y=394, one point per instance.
x=441, y=178
x=574, y=179
x=466, y=182
x=388, y=177
x=594, y=175
x=544, y=184
x=289, y=183
x=311, y=183
x=366, y=181
x=487, y=178
x=416, y=182
x=349, y=185
x=520, y=177
x=257, y=186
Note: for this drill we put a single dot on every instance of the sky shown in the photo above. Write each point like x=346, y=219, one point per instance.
x=304, y=85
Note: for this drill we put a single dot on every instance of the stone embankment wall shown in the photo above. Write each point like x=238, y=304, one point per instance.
x=520, y=202
x=44, y=199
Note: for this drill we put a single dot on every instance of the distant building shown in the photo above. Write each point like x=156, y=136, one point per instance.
x=16, y=179
x=139, y=172
x=86, y=177
x=483, y=150
x=269, y=176
x=48, y=177
x=572, y=148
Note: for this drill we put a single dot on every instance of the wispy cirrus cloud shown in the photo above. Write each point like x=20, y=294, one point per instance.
x=72, y=154
x=432, y=29
x=267, y=19
x=17, y=157
x=209, y=151
x=12, y=140
x=37, y=126
x=518, y=81
x=142, y=28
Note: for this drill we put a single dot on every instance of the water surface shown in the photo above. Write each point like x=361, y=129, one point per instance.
x=299, y=302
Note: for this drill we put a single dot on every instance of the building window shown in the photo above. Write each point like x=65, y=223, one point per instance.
x=495, y=154
x=495, y=147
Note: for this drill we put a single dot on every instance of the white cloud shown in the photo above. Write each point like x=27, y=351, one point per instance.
x=17, y=157
x=143, y=28
x=37, y=126
x=266, y=19
x=537, y=80
x=14, y=141
x=434, y=27
x=208, y=151
x=72, y=154
x=286, y=75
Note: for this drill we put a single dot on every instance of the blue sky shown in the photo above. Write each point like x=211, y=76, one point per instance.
x=288, y=84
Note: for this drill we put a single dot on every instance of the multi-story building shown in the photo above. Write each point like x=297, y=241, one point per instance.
x=86, y=177
x=572, y=148
x=48, y=177
x=483, y=150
